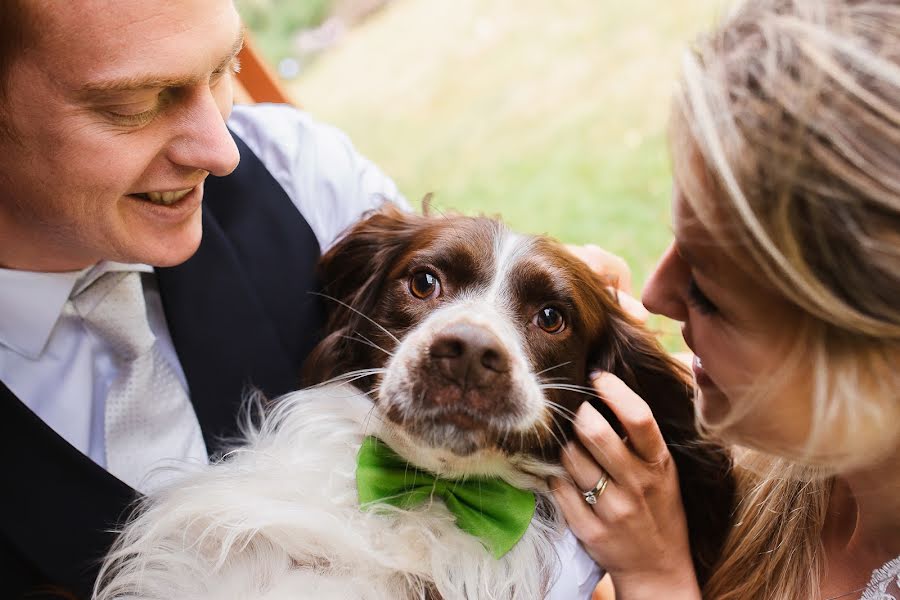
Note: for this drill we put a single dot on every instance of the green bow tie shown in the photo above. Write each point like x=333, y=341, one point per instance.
x=490, y=509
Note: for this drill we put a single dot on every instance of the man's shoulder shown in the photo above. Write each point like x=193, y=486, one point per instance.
x=269, y=118
x=284, y=128
x=274, y=130
x=329, y=182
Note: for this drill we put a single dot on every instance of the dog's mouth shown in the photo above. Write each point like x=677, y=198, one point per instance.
x=453, y=419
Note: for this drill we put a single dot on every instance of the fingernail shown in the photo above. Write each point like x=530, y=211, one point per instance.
x=596, y=375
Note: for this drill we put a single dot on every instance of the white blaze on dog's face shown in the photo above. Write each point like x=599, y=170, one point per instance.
x=462, y=379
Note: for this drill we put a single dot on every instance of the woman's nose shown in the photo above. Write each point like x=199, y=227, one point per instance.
x=663, y=291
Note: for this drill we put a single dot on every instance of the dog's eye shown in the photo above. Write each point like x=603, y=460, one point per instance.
x=550, y=320
x=424, y=285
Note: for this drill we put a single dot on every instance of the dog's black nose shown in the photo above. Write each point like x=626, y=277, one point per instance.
x=469, y=355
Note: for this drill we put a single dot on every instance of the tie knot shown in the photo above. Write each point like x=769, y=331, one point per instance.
x=113, y=308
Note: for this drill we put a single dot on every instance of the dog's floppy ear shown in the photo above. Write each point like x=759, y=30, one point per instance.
x=629, y=351
x=352, y=273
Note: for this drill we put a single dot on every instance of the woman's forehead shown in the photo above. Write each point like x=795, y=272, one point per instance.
x=694, y=242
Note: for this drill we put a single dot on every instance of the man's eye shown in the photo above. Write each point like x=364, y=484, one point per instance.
x=424, y=285
x=550, y=319
x=133, y=119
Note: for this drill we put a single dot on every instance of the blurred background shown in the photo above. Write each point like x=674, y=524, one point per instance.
x=551, y=114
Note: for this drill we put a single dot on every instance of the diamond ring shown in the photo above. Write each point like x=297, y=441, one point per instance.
x=592, y=494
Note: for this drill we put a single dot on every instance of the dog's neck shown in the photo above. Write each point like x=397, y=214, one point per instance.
x=524, y=472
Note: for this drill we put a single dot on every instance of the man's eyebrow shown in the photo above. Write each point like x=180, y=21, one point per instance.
x=129, y=84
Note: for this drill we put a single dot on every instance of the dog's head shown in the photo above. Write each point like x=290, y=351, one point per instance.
x=476, y=345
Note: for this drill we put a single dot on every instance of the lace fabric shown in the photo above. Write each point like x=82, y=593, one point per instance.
x=885, y=582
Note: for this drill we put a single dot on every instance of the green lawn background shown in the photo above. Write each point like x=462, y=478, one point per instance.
x=549, y=113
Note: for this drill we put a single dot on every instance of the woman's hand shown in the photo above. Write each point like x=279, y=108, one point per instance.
x=616, y=271
x=636, y=529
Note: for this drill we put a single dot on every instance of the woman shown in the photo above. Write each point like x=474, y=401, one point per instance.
x=785, y=271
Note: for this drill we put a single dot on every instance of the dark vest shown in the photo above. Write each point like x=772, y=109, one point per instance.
x=241, y=316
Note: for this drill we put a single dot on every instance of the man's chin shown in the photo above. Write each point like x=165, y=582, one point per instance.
x=168, y=250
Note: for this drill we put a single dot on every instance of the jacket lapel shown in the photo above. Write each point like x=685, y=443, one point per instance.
x=226, y=344
x=240, y=310
x=60, y=506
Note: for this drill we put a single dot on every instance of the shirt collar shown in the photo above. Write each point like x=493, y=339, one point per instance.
x=31, y=302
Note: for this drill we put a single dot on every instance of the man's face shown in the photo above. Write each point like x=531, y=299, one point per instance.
x=118, y=104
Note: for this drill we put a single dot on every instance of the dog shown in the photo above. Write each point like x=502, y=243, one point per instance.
x=460, y=349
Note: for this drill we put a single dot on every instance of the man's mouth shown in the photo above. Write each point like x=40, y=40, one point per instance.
x=164, y=198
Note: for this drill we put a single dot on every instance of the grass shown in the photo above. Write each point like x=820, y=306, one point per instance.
x=274, y=22
x=551, y=114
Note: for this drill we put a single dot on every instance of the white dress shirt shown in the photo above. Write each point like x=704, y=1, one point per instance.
x=63, y=373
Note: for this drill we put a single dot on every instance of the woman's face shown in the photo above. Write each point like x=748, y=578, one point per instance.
x=739, y=331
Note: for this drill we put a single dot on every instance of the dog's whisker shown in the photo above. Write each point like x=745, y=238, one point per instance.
x=360, y=313
x=371, y=414
x=543, y=380
x=350, y=375
x=550, y=430
x=560, y=409
x=364, y=340
x=567, y=415
x=571, y=388
x=568, y=362
x=378, y=346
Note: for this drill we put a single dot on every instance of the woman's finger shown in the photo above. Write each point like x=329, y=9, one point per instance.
x=583, y=469
x=635, y=416
x=599, y=443
x=580, y=515
x=631, y=305
x=604, y=263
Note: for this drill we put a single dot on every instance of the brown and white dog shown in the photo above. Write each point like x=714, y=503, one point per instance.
x=466, y=348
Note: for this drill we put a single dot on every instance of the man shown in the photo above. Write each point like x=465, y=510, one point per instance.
x=157, y=256
x=114, y=129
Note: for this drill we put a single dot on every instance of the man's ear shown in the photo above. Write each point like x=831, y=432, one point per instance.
x=629, y=351
x=352, y=273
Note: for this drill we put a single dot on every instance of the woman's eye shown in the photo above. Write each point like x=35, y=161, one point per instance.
x=699, y=300
x=424, y=285
x=550, y=320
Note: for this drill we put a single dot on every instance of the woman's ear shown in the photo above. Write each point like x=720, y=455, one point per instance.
x=632, y=353
x=352, y=274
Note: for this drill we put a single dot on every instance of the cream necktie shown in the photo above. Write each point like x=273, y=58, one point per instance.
x=148, y=419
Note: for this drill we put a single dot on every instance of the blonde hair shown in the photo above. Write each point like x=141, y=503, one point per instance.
x=791, y=108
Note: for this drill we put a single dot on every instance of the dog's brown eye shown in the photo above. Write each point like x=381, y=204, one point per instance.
x=424, y=285
x=550, y=320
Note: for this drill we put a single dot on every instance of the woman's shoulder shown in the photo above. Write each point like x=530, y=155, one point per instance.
x=885, y=582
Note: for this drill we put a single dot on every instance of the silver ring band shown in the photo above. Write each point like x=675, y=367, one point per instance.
x=595, y=492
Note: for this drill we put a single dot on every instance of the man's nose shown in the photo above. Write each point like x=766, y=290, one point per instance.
x=203, y=141
x=663, y=292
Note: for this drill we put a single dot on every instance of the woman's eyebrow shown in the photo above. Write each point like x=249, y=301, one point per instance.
x=144, y=82
x=695, y=260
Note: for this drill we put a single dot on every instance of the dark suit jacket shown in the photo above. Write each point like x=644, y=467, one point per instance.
x=241, y=316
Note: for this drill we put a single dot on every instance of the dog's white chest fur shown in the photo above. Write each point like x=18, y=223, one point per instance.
x=280, y=519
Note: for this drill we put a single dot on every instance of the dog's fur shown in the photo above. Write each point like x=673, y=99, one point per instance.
x=461, y=381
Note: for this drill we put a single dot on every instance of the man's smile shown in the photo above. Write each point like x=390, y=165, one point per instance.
x=164, y=198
